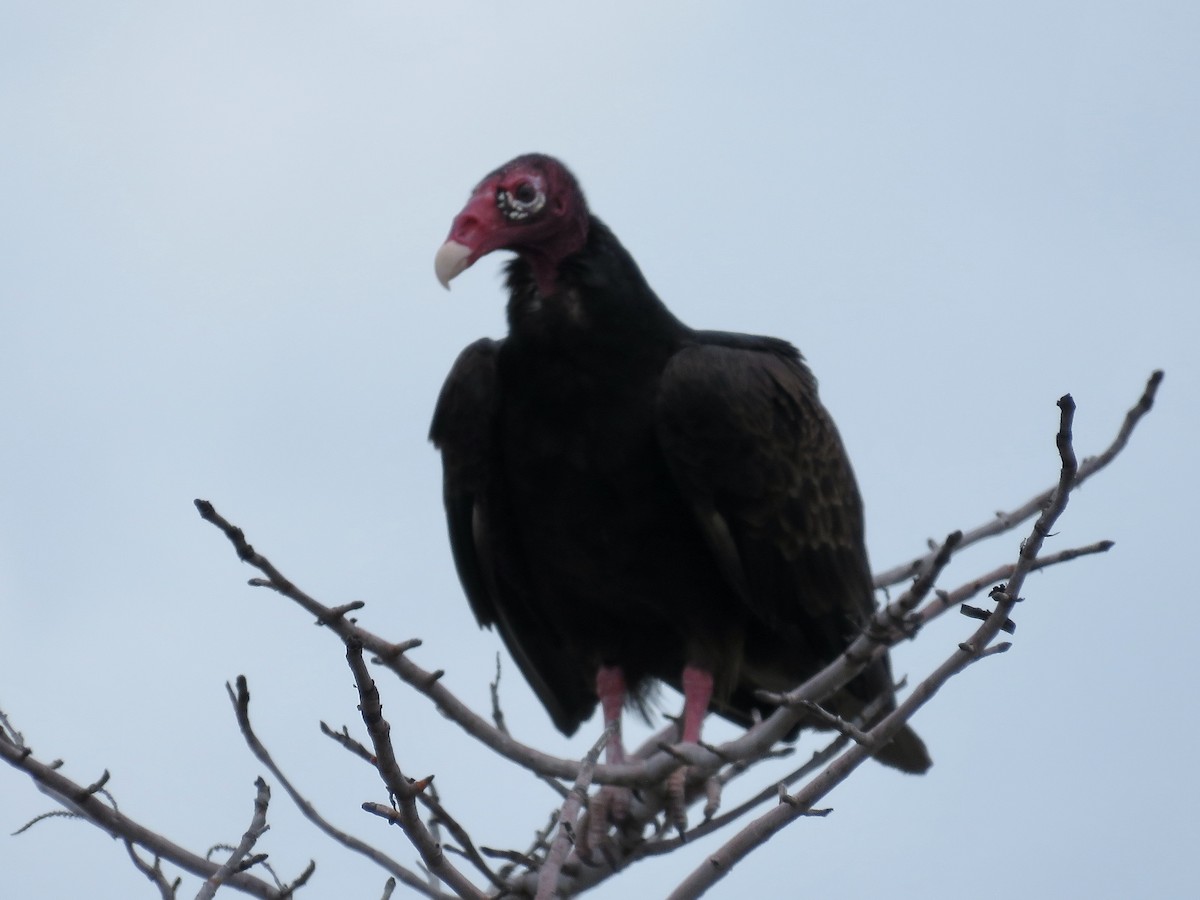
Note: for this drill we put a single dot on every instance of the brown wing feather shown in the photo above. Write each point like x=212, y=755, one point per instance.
x=759, y=458
x=761, y=463
x=463, y=424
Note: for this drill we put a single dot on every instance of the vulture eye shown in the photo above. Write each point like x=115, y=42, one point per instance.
x=521, y=203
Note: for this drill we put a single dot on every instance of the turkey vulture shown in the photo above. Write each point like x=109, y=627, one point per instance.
x=630, y=500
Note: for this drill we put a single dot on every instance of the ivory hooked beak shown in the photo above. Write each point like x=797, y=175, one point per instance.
x=451, y=260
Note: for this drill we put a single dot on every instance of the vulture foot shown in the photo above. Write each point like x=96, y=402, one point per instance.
x=608, y=807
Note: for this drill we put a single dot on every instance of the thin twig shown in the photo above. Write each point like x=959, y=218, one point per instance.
x=818, y=759
x=560, y=848
x=241, y=706
x=343, y=737
x=402, y=789
x=840, y=725
x=116, y=824
x=634, y=773
x=497, y=711
x=650, y=767
x=166, y=889
x=528, y=859
x=949, y=599
x=431, y=801
x=258, y=827
x=718, y=864
x=395, y=658
x=1005, y=521
x=430, y=796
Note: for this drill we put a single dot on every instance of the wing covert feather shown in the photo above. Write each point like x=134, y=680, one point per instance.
x=750, y=444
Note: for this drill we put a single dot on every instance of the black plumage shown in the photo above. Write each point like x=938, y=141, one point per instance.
x=625, y=493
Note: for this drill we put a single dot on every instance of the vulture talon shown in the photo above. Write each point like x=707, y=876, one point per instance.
x=676, y=801
x=712, y=794
x=609, y=807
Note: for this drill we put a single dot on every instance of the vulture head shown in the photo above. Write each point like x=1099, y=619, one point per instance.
x=533, y=206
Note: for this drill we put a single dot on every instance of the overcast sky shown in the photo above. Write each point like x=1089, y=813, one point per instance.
x=217, y=227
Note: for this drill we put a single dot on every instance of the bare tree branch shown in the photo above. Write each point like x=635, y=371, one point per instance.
x=85, y=803
x=1005, y=521
x=620, y=857
x=241, y=706
x=166, y=889
x=945, y=600
x=393, y=657
x=547, y=884
x=649, y=771
x=757, y=832
x=258, y=827
x=896, y=620
x=552, y=868
x=402, y=789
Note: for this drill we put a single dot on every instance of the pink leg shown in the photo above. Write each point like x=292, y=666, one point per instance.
x=610, y=804
x=610, y=688
x=697, y=687
x=697, y=691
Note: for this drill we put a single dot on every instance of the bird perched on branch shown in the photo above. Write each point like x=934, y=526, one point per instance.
x=631, y=500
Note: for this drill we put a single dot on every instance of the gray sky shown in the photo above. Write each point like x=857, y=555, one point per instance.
x=217, y=226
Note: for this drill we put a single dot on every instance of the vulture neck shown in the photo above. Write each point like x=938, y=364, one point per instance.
x=597, y=301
